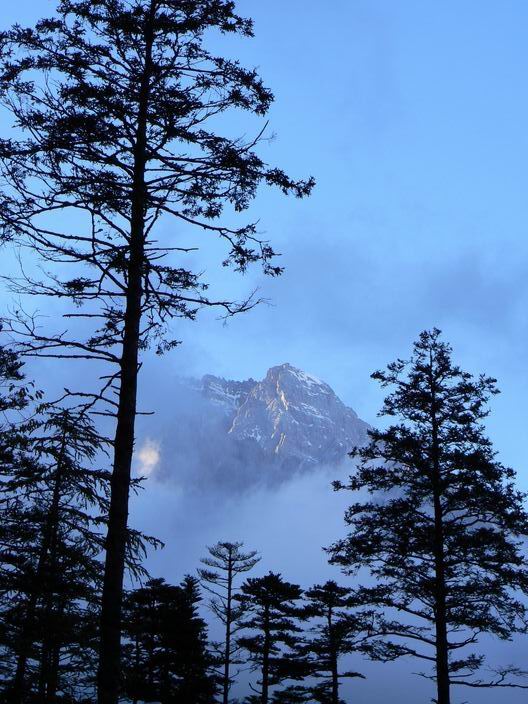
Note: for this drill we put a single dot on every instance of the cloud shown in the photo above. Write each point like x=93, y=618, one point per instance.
x=148, y=457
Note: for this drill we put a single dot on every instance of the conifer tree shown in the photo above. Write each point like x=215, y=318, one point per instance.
x=16, y=395
x=274, y=641
x=119, y=113
x=342, y=627
x=51, y=573
x=224, y=564
x=14, y=398
x=167, y=658
x=443, y=526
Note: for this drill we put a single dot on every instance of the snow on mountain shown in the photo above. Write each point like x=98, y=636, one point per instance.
x=287, y=422
x=298, y=419
x=228, y=395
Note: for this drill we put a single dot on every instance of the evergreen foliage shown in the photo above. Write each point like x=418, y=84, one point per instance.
x=343, y=627
x=51, y=574
x=273, y=617
x=166, y=654
x=443, y=526
x=15, y=395
x=225, y=562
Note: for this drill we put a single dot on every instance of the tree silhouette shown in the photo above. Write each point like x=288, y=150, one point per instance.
x=442, y=528
x=16, y=531
x=167, y=658
x=273, y=616
x=342, y=628
x=15, y=395
x=224, y=564
x=51, y=576
x=119, y=112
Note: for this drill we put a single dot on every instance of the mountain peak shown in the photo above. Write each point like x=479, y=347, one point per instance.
x=298, y=418
x=292, y=376
x=238, y=433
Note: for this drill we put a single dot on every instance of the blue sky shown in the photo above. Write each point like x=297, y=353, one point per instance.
x=412, y=116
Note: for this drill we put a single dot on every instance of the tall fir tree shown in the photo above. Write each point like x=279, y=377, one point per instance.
x=224, y=564
x=118, y=108
x=273, y=644
x=443, y=526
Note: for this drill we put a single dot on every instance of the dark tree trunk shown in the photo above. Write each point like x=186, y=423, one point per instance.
x=44, y=672
x=137, y=662
x=442, y=649
x=53, y=682
x=111, y=604
x=333, y=658
x=108, y=682
x=165, y=694
x=49, y=668
x=265, y=658
x=51, y=641
x=17, y=692
x=442, y=660
x=227, y=661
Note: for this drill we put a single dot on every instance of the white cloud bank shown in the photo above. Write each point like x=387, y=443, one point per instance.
x=148, y=457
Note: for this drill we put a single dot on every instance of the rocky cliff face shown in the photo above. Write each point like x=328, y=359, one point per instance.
x=297, y=419
x=226, y=395
x=242, y=432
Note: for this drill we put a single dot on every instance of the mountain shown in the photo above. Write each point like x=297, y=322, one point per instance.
x=239, y=433
x=292, y=416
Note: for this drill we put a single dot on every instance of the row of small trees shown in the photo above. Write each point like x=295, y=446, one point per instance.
x=292, y=641
x=264, y=620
